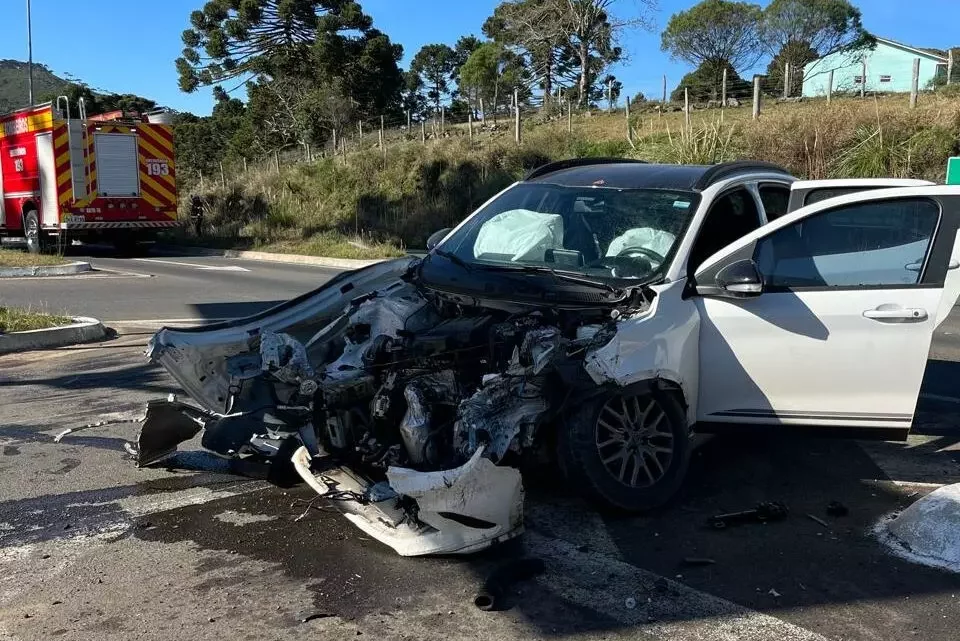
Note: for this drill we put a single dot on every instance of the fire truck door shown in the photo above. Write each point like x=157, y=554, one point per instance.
x=46, y=167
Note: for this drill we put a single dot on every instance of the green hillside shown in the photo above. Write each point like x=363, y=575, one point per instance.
x=13, y=83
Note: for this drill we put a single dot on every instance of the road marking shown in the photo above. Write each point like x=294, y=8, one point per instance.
x=661, y=608
x=209, y=268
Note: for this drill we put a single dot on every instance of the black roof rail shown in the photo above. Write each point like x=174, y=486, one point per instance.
x=570, y=163
x=717, y=173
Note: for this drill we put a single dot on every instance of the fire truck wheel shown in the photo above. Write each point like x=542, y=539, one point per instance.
x=34, y=234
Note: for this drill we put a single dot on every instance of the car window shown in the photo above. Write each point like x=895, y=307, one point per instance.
x=775, y=199
x=882, y=243
x=732, y=216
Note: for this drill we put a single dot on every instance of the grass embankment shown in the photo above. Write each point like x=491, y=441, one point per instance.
x=24, y=320
x=374, y=204
x=20, y=258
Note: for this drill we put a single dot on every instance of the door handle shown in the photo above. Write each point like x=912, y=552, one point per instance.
x=897, y=314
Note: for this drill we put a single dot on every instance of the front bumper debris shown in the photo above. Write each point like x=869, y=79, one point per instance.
x=456, y=511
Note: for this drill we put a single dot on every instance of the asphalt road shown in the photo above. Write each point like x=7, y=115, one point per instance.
x=164, y=287
x=92, y=548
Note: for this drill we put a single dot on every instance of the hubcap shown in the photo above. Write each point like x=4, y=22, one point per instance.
x=634, y=439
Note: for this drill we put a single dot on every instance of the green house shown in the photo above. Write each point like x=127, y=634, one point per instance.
x=889, y=69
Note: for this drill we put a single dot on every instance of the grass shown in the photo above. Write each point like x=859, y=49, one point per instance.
x=22, y=320
x=21, y=258
x=374, y=204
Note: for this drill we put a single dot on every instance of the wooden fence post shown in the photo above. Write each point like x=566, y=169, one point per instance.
x=949, y=66
x=569, y=116
x=629, y=128
x=664, y=89
x=516, y=102
x=200, y=171
x=756, y=97
x=276, y=158
x=686, y=107
x=423, y=131
x=408, y=121
x=244, y=164
x=470, y=122
x=381, y=132
x=786, y=80
x=723, y=90
x=830, y=87
x=915, y=83
x=334, y=141
x=223, y=178
x=360, y=127
x=443, y=120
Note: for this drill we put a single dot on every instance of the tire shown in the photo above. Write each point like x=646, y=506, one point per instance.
x=36, y=239
x=654, y=422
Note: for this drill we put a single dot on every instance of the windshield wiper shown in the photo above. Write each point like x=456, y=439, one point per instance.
x=535, y=269
x=453, y=258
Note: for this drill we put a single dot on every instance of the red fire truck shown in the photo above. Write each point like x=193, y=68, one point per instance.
x=109, y=177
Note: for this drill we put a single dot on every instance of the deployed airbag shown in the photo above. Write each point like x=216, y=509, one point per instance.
x=521, y=234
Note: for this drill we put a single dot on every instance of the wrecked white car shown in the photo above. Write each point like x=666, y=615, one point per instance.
x=598, y=313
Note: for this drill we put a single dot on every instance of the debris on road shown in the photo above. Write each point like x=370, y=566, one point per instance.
x=817, y=519
x=490, y=596
x=630, y=603
x=836, y=508
x=691, y=560
x=773, y=592
x=762, y=513
x=315, y=616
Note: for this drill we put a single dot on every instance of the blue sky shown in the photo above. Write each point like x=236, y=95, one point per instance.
x=130, y=47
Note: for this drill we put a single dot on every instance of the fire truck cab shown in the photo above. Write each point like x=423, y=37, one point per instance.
x=109, y=177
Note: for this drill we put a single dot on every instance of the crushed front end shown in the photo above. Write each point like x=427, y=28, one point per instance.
x=409, y=410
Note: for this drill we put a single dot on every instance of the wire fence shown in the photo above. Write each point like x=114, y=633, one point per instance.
x=478, y=121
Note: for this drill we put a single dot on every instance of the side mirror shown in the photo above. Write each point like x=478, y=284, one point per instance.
x=437, y=236
x=741, y=279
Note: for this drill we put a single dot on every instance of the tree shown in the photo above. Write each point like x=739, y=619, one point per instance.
x=792, y=30
x=491, y=73
x=231, y=39
x=594, y=31
x=613, y=88
x=705, y=82
x=716, y=32
x=434, y=64
x=798, y=54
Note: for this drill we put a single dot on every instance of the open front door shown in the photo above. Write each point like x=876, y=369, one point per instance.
x=825, y=316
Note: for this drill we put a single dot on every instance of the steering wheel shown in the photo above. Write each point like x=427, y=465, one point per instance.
x=641, y=252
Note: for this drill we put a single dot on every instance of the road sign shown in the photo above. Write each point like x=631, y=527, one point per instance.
x=953, y=171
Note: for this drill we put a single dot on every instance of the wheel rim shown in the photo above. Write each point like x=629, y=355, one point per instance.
x=32, y=232
x=635, y=440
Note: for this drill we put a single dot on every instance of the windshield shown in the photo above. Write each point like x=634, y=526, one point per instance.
x=595, y=231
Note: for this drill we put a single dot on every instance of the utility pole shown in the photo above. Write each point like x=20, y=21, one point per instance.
x=29, y=54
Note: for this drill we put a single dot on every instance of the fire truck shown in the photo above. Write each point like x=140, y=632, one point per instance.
x=109, y=177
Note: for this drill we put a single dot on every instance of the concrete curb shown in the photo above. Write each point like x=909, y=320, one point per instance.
x=293, y=259
x=45, y=270
x=83, y=330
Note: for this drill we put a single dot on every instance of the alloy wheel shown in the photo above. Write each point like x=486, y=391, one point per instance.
x=634, y=439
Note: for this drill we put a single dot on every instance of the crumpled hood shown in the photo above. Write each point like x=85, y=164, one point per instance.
x=197, y=358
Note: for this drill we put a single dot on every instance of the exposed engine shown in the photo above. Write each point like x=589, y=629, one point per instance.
x=423, y=384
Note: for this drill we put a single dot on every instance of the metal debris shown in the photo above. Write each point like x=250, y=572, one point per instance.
x=763, y=513
x=490, y=596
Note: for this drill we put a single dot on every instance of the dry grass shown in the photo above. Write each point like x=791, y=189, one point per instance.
x=21, y=258
x=24, y=320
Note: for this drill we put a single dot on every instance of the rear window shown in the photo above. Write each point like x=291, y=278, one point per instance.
x=819, y=195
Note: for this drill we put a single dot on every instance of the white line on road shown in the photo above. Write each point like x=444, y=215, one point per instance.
x=209, y=268
x=150, y=322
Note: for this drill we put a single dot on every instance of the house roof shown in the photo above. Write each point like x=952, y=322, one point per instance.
x=937, y=54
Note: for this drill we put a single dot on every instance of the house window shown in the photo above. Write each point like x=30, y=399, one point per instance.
x=858, y=80
x=885, y=78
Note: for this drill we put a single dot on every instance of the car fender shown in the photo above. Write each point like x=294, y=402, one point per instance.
x=662, y=343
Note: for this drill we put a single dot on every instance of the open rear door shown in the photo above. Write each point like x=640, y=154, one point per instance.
x=810, y=192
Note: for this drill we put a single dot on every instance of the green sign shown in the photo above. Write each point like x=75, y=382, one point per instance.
x=953, y=171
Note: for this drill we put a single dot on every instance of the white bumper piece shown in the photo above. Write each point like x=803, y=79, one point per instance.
x=457, y=511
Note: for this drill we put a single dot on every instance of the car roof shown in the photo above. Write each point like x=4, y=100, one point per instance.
x=619, y=173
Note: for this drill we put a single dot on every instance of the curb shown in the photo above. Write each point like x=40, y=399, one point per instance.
x=45, y=270
x=293, y=259
x=83, y=330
